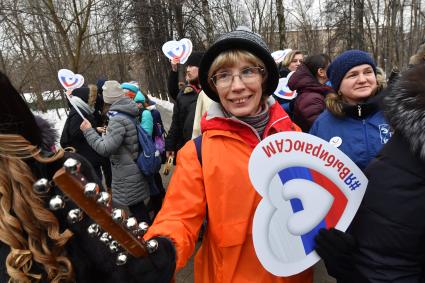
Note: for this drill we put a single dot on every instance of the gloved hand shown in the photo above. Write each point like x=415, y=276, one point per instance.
x=337, y=249
x=158, y=267
x=164, y=258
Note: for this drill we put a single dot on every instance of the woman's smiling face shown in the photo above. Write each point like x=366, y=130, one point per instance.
x=358, y=84
x=242, y=97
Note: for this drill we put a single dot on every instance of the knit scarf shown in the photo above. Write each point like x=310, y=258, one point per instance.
x=258, y=121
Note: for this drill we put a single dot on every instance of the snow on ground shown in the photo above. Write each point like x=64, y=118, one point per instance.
x=55, y=117
x=58, y=117
x=47, y=95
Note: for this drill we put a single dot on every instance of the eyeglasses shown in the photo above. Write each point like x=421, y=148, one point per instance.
x=247, y=76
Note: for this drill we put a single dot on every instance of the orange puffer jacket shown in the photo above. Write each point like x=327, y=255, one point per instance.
x=223, y=186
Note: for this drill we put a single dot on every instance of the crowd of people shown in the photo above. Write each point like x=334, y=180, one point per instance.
x=228, y=99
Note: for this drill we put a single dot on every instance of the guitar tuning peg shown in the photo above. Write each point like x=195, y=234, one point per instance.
x=114, y=246
x=151, y=246
x=119, y=215
x=91, y=190
x=121, y=259
x=105, y=238
x=75, y=215
x=131, y=224
x=94, y=230
x=41, y=186
x=104, y=199
x=72, y=166
x=57, y=202
x=141, y=229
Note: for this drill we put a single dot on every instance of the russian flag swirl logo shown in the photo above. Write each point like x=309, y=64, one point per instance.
x=306, y=184
x=69, y=80
x=178, y=50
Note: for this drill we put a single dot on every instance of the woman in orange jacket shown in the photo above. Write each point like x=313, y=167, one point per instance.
x=238, y=73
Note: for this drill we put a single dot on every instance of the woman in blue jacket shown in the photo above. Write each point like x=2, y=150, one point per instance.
x=353, y=120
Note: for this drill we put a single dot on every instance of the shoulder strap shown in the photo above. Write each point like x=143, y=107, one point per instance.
x=198, y=145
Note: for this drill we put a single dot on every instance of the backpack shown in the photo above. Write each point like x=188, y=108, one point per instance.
x=149, y=158
x=198, y=147
x=158, y=133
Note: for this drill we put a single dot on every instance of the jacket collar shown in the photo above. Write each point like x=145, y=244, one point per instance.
x=364, y=109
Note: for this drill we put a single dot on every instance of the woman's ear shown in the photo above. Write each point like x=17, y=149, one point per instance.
x=321, y=73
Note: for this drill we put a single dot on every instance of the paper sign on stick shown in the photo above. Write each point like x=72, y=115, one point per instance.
x=71, y=81
x=306, y=184
x=283, y=91
x=178, y=50
x=279, y=55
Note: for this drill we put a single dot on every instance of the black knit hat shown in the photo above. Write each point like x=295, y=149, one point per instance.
x=344, y=62
x=82, y=92
x=195, y=58
x=15, y=116
x=240, y=39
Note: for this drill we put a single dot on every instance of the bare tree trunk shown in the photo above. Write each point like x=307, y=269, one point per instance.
x=208, y=21
x=358, y=23
x=281, y=23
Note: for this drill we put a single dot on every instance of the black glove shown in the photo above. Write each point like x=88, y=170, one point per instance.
x=158, y=267
x=337, y=249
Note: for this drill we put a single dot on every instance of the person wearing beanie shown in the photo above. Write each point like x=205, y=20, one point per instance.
x=84, y=98
x=146, y=119
x=385, y=241
x=112, y=91
x=353, y=120
x=38, y=244
x=120, y=144
x=130, y=89
x=238, y=74
x=184, y=110
x=173, y=84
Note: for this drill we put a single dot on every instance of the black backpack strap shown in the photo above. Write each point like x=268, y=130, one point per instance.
x=198, y=145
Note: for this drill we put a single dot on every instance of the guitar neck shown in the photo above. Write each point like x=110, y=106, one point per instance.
x=73, y=187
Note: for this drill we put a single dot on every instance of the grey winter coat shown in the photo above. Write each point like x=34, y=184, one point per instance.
x=120, y=144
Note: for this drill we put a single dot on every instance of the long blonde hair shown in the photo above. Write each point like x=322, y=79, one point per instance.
x=30, y=230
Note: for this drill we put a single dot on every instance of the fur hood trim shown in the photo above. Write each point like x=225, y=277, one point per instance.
x=405, y=108
x=419, y=57
x=49, y=135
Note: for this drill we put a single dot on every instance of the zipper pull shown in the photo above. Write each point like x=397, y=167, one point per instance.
x=359, y=110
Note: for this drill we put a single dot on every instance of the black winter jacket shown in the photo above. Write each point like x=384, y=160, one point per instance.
x=173, y=85
x=390, y=224
x=182, y=122
x=73, y=136
x=91, y=259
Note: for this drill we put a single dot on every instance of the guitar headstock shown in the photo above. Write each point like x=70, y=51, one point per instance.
x=121, y=234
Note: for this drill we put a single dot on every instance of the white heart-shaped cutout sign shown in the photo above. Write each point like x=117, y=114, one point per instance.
x=178, y=50
x=69, y=80
x=283, y=91
x=306, y=184
x=279, y=55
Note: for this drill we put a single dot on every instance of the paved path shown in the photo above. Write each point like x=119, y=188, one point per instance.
x=186, y=274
